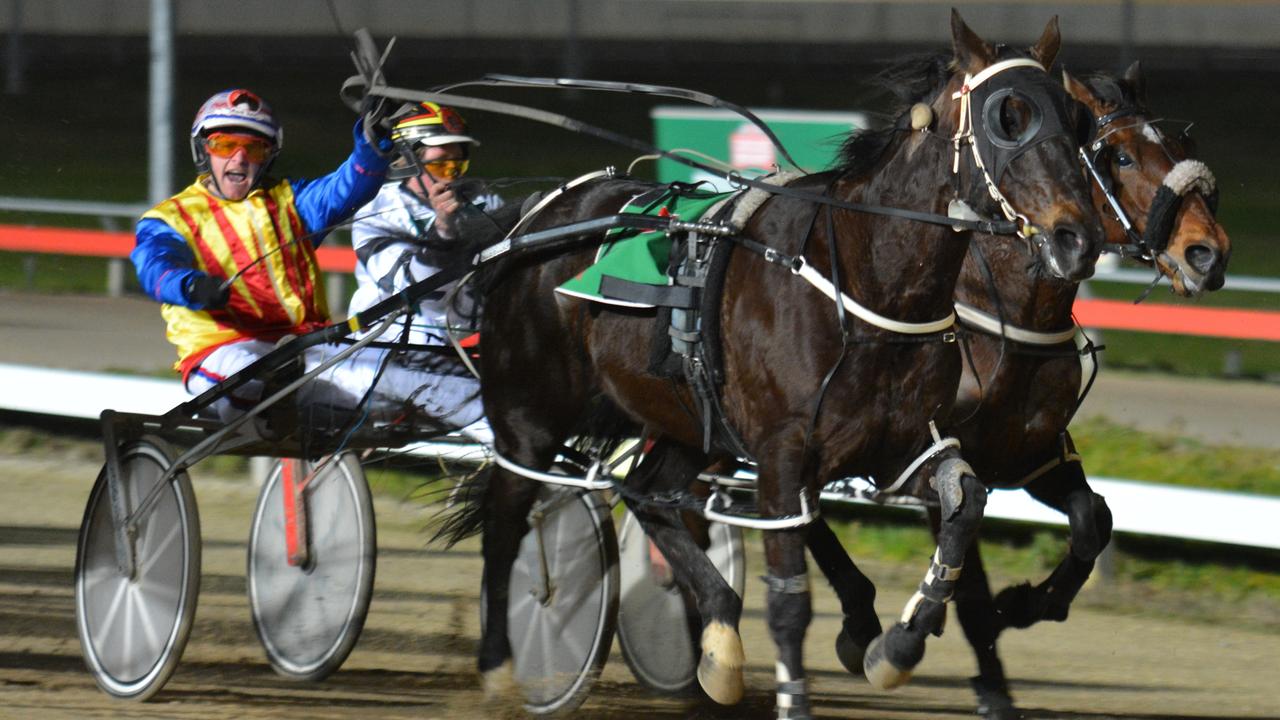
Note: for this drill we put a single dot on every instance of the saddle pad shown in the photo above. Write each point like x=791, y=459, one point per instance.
x=640, y=257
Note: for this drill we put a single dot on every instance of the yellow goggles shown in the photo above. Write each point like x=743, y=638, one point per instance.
x=447, y=169
x=225, y=145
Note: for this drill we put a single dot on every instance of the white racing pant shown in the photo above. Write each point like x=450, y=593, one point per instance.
x=432, y=389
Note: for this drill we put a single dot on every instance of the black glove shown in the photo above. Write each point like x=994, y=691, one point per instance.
x=377, y=115
x=208, y=292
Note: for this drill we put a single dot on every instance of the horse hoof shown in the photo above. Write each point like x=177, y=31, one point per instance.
x=882, y=674
x=991, y=712
x=994, y=701
x=850, y=652
x=500, y=683
x=720, y=669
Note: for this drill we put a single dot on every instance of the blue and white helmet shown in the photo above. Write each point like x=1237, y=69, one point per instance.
x=238, y=108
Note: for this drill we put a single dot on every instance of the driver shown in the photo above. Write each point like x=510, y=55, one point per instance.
x=411, y=228
x=232, y=259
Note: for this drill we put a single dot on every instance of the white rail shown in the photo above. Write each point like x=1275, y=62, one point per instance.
x=1138, y=507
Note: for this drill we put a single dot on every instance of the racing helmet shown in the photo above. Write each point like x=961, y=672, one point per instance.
x=233, y=109
x=424, y=123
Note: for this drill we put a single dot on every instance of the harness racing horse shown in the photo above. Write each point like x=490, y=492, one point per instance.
x=840, y=371
x=1017, y=398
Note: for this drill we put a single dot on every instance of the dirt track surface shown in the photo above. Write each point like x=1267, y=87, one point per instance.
x=415, y=658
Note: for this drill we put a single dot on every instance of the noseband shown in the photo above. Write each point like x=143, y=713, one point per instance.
x=1186, y=176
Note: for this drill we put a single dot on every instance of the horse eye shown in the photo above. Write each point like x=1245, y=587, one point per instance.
x=1013, y=114
x=1123, y=159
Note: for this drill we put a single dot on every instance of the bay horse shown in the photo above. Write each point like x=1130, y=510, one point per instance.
x=812, y=389
x=1017, y=399
x=1022, y=374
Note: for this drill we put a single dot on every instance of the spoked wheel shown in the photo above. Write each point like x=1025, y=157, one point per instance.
x=654, y=628
x=564, y=599
x=133, y=629
x=309, y=592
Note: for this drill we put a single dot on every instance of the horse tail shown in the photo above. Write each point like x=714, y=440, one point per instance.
x=464, y=512
x=602, y=429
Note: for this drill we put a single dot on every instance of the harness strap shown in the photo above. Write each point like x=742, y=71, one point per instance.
x=643, y=294
x=995, y=326
x=798, y=266
x=814, y=278
x=1063, y=459
x=939, y=444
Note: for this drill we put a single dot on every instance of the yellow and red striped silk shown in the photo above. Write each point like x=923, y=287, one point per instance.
x=279, y=296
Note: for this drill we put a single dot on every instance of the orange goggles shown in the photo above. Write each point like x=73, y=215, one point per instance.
x=447, y=169
x=225, y=145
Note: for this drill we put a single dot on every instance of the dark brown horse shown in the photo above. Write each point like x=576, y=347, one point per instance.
x=812, y=389
x=1015, y=424
x=1020, y=390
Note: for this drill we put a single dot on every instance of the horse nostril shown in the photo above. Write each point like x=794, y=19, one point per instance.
x=1069, y=237
x=1201, y=257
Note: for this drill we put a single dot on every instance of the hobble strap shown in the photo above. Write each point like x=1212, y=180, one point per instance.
x=794, y=585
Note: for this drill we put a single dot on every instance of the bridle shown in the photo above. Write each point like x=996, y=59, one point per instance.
x=1187, y=175
x=1023, y=79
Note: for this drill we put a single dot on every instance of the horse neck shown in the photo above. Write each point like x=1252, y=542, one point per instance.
x=914, y=263
x=1029, y=299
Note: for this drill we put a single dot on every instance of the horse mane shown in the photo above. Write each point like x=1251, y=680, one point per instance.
x=916, y=78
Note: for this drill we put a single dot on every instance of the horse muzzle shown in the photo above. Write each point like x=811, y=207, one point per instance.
x=1202, y=268
x=1070, y=250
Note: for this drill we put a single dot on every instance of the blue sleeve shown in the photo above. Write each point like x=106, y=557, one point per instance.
x=334, y=198
x=163, y=261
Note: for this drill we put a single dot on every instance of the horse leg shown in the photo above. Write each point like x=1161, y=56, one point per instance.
x=670, y=467
x=508, y=502
x=856, y=592
x=976, y=612
x=789, y=605
x=1065, y=489
x=893, y=655
x=505, y=506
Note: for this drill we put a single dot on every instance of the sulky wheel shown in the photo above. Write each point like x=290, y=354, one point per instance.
x=133, y=629
x=653, y=619
x=564, y=599
x=311, y=564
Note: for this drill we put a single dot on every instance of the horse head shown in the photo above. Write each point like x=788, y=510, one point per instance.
x=1019, y=125
x=1155, y=195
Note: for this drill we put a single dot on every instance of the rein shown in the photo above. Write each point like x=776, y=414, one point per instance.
x=988, y=226
x=499, y=80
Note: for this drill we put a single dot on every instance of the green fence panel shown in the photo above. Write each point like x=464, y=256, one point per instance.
x=813, y=138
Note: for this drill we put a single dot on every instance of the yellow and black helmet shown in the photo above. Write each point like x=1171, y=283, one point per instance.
x=424, y=123
x=427, y=123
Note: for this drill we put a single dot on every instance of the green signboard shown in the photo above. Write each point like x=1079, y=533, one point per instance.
x=813, y=138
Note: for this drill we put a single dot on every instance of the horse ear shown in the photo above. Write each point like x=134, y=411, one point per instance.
x=1046, y=48
x=1077, y=89
x=1134, y=77
x=972, y=52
